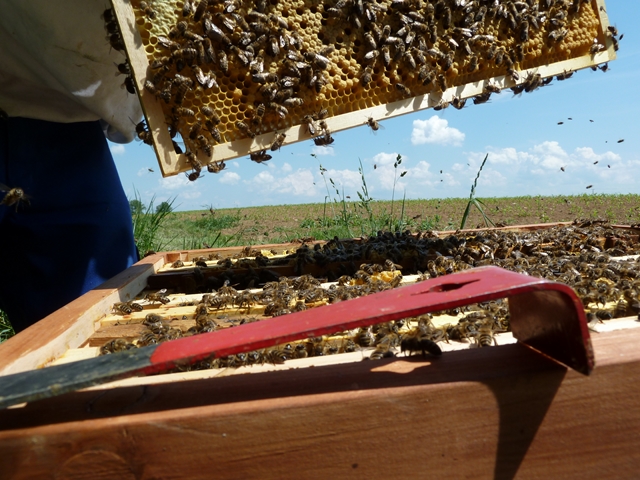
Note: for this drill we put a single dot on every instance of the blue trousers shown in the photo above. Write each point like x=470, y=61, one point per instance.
x=74, y=233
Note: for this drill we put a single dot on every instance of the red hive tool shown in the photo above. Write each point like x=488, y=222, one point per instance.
x=544, y=315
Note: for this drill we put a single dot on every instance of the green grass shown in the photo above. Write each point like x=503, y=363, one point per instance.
x=6, y=330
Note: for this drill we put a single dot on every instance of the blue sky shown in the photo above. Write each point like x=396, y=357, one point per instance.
x=526, y=148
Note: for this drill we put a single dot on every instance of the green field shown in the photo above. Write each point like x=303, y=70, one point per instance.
x=158, y=228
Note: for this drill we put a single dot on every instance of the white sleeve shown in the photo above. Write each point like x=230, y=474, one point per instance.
x=56, y=64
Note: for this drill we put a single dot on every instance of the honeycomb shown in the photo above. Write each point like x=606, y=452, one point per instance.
x=278, y=65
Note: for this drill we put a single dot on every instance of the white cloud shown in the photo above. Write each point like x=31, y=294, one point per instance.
x=175, y=182
x=298, y=183
x=386, y=176
x=323, y=151
x=286, y=168
x=117, y=149
x=437, y=131
x=143, y=171
x=229, y=178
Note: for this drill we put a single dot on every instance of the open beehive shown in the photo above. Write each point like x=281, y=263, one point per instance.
x=239, y=77
x=521, y=413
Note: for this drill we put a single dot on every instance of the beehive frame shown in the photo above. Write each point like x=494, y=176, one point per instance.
x=522, y=414
x=349, y=103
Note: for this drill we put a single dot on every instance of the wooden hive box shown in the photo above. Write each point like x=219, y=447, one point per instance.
x=501, y=412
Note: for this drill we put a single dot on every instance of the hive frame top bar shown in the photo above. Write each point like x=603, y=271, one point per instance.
x=171, y=163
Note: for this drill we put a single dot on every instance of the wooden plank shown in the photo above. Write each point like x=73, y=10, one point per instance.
x=521, y=414
x=70, y=326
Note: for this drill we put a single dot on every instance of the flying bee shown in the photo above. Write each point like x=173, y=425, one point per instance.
x=373, y=124
x=260, y=156
x=280, y=137
x=244, y=128
x=13, y=196
x=403, y=89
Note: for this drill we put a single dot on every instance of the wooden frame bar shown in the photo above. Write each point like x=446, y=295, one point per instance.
x=498, y=412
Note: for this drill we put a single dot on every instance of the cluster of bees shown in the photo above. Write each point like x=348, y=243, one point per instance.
x=230, y=70
x=579, y=255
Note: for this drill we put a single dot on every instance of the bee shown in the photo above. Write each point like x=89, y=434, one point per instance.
x=223, y=61
x=473, y=64
x=206, y=80
x=375, y=126
x=441, y=82
x=260, y=156
x=417, y=341
x=311, y=126
x=264, y=77
x=187, y=55
x=244, y=128
x=200, y=9
x=187, y=8
x=441, y=105
x=280, y=137
x=323, y=141
x=380, y=353
x=213, y=130
x=365, y=78
x=596, y=47
x=126, y=308
x=485, y=336
x=386, y=55
x=117, y=345
x=492, y=88
x=116, y=42
x=208, y=112
x=181, y=93
x=216, y=167
x=403, y=89
x=204, y=144
x=258, y=114
x=408, y=57
x=321, y=114
x=158, y=297
x=13, y=196
x=481, y=98
x=193, y=176
x=293, y=102
x=319, y=82
x=458, y=103
x=317, y=59
x=589, y=186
